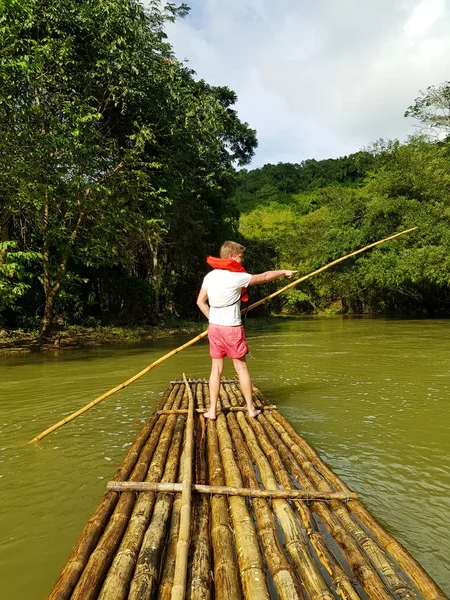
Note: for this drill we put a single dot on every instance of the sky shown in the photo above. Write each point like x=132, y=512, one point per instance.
x=318, y=78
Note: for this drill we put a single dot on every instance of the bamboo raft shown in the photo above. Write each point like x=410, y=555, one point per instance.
x=229, y=509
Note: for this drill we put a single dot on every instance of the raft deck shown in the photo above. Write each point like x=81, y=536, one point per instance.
x=229, y=509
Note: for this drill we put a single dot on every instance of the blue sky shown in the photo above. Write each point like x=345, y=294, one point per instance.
x=318, y=78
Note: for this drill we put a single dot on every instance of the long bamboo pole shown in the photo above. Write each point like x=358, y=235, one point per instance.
x=144, y=486
x=119, y=387
x=204, y=334
x=328, y=266
x=184, y=536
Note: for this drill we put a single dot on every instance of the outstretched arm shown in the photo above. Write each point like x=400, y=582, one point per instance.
x=202, y=302
x=270, y=276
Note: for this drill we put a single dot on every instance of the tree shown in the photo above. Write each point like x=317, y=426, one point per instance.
x=105, y=138
x=432, y=109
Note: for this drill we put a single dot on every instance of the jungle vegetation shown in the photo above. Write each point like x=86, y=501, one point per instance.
x=120, y=171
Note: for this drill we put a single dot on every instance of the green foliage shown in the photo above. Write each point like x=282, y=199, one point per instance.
x=14, y=274
x=432, y=109
x=408, y=185
x=287, y=183
x=111, y=153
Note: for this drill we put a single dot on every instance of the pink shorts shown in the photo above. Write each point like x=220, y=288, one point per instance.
x=227, y=340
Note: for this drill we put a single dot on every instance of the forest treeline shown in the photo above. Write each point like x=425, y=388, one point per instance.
x=119, y=173
x=310, y=214
x=116, y=164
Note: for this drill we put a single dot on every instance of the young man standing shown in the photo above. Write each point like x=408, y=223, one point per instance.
x=220, y=301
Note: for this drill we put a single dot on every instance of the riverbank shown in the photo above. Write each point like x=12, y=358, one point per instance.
x=18, y=341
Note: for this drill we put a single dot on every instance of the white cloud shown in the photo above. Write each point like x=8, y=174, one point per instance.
x=424, y=16
x=321, y=78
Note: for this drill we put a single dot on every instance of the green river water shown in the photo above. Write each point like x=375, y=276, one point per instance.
x=371, y=395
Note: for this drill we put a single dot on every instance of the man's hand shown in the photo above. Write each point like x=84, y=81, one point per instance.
x=289, y=274
x=202, y=302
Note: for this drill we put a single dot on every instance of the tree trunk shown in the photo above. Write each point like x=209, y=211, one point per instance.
x=4, y=232
x=153, y=246
x=51, y=292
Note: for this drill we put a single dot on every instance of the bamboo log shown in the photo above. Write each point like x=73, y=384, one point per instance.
x=377, y=556
x=204, y=334
x=296, y=545
x=95, y=571
x=361, y=567
x=116, y=584
x=184, y=536
x=224, y=410
x=282, y=574
x=339, y=577
x=415, y=571
x=174, y=488
x=168, y=571
x=134, y=463
x=199, y=583
x=226, y=578
x=250, y=561
x=146, y=574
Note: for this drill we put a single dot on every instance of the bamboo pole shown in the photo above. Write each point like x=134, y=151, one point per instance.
x=146, y=572
x=119, y=387
x=100, y=560
x=199, y=582
x=136, y=463
x=328, y=266
x=250, y=561
x=163, y=466
x=414, y=570
x=174, y=488
x=203, y=335
x=309, y=574
x=376, y=555
x=184, y=536
x=360, y=564
x=182, y=411
x=226, y=578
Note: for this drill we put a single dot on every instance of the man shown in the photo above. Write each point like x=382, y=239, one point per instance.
x=219, y=300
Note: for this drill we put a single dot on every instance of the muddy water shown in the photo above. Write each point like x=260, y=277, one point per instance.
x=371, y=395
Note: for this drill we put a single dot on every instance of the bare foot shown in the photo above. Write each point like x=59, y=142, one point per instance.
x=210, y=415
x=254, y=413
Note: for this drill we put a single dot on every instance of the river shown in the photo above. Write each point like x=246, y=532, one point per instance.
x=370, y=395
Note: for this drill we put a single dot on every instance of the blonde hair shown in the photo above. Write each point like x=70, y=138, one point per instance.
x=229, y=249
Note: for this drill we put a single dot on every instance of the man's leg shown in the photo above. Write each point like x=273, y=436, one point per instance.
x=214, y=387
x=246, y=384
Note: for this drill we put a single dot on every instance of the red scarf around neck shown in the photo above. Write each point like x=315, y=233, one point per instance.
x=228, y=264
